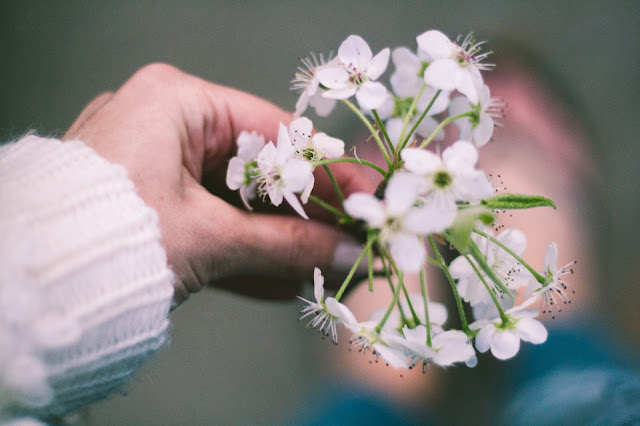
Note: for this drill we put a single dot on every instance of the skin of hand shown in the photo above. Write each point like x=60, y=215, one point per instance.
x=174, y=134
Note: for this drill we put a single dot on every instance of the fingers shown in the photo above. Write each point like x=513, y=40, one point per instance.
x=86, y=113
x=288, y=246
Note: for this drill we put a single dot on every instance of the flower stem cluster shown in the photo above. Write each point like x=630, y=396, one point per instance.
x=427, y=198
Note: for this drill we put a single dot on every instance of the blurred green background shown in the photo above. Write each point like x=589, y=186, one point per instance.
x=239, y=361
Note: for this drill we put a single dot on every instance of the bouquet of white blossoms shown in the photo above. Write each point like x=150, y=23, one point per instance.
x=425, y=198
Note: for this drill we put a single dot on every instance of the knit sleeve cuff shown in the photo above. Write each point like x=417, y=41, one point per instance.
x=85, y=289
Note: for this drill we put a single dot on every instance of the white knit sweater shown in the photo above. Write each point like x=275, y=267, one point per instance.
x=85, y=290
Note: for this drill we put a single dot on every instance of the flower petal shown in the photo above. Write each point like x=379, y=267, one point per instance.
x=275, y=195
x=393, y=357
x=505, y=344
x=250, y=145
x=442, y=74
x=420, y=161
x=473, y=186
x=378, y=64
x=433, y=216
x=436, y=44
x=343, y=313
x=461, y=154
x=296, y=174
x=323, y=106
x=405, y=58
x=304, y=196
x=415, y=335
x=366, y=207
x=459, y=105
x=401, y=193
x=466, y=84
x=408, y=252
x=318, y=284
x=551, y=258
x=285, y=147
x=302, y=104
x=484, y=338
x=267, y=157
x=514, y=239
x=293, y=202
x=531, y=330
x=341, y=93
x=300, y=132
x=460, y=268
x=437, y=313
x=355, y=52
x=235, y=173
x=333, y=77
x=327, y=146
x=483, y=131
x=371, y=95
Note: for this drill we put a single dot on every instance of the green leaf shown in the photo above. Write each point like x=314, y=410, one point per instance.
x=517, y=201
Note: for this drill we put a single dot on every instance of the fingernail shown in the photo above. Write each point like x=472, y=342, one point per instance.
x=346, y=255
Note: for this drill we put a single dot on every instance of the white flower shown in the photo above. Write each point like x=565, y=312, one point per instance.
x=307, y=83
x=241, y=171
x=312, y=148
x=399, y=220
x=357, y=74
x=448, y=179
x=315, y=147
x=504, y=340
x=556, y=290
x=366, y=337
x=324, y=319
x=452, y=66
x=408, y=77
x=479, y=126
x=406, y=82
x=505, y=267
x=446, y=348
x=281, y=174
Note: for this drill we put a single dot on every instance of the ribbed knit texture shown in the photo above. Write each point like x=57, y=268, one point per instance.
x=85, y=290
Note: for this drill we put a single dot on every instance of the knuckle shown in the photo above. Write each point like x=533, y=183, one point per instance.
x=156, y=74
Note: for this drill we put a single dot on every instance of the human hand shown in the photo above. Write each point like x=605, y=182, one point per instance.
x=174, y=132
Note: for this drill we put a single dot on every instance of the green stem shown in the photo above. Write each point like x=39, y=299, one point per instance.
x=423, y=286
x=407, y=117
x=396, y=293
x=392, y=287
x=344, y=285
x=503, y=316
x=416, y=320
x=535, y=273
x=330, y=208
x=445, y=269
x=422, y=116
x=350, y=160
x=442, y=125
x=334, y=183
x=412, y=108
x=475, y=252
x=384, y=131
x=373, y=131
x=370, y=265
